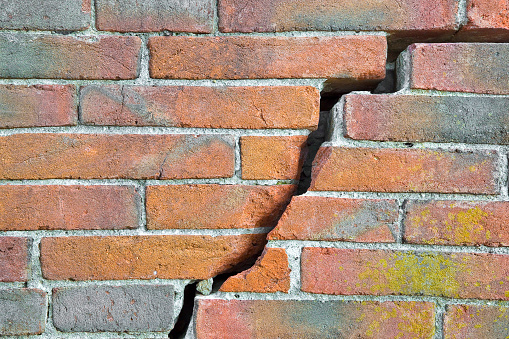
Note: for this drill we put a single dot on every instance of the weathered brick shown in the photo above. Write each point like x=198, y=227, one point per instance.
x=14, y=259
x=404, y=170
x=155, y=15
x=488, y=20
x=113, y=308
x=472, y=321
x=68, y=15
x=332, y=219
x=50, y=56
x=350, y=59
x=272, y=157
x=469, y=67
x=216, y=206
x=23, y=311
x=381, y=272
x=51, y=207
x=206, y=107
x=269, y=274
x=145, y=257
x=97, y=156
x=434, y=118
x=457, y=223
x=309, y=319
x=421, y=16
x=39, y=105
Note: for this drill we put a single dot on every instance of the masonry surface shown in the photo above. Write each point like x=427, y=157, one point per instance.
x=254, y=169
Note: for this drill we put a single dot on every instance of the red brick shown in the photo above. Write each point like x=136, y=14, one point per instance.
x=488, y=20
x=434, y=118
x=457, y=223
x=472, y=321
x=155, y=15
x=473, y=67
x=205, y=107
x=380, y=272
x=215, y=206
x=145, y=257
x=68, y=57
x=272, y=157
x=348, y=58
x=429, y=16
x=14, y=259
x=49, y=207
x=310, y=319
x=97, y=156
x=332, y=219
x=269, y=274
x=39, y=105
x=404, y=170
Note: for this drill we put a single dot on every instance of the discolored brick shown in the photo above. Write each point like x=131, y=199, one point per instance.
x=145, y=257
x=474, y=321
x=269, y=274
x=30, y=56
x=309, y=319
x=206, y=107
x=23, y=311
x=337, y=219
x=384, y=272
x=272, y=157
x=53, y=207
x=39, y=105
x=404, y=170
x=14, y=258
x=215, y=206
x=99, y=156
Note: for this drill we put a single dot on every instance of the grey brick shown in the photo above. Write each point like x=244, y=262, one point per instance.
x=22, y=311
x=113, y=308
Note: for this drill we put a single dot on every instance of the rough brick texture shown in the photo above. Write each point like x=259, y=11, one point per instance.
x=113, y=308
x=313, y=319
x=272, y=157
x=404, y=170
x=215, y=206
x=145, y=257
x=351, y=58
x=14, y=259
x=476, y=68
x=52, y=56
x=330, y=15
x=470, y=223
x=207, y=107
x=39, y=105
x=96, y=156
x=471, y=321
x=58, y=15
x=23, y=311
x=52, y=207
x=155, y=15
x=379, y=272
x=435, y=118
x=269, y=274
x=331, y=219
x=488, y=20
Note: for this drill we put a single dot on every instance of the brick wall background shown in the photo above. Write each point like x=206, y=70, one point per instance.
x=255, y=169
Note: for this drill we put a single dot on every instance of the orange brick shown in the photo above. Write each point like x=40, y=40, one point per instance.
x=272, y=157
x=488, y=21
x=49, y=207
x=97, y=156
x=205, y=107
x=270, y=274
x=405, y=170
x=39, y=105
x=349, y=58
x=216, y=206
x=145, y=257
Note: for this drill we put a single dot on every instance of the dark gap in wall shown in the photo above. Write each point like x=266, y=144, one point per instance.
x=186, y=313
x=388, y=84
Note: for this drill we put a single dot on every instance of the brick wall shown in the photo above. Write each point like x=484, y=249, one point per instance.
x=151, y=149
